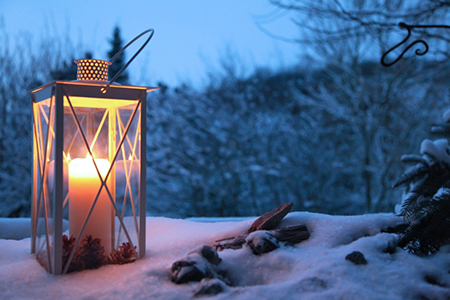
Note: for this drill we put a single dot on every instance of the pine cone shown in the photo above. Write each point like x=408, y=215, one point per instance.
x=124, y=255
x=92, y=253
x=88, y=255
x=67, y=247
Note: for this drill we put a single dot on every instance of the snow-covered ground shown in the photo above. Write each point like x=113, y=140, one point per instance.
x=313, y=269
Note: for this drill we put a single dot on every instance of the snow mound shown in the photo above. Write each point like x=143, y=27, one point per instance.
x=19, y=228
x=15, y=229
x=313, y=269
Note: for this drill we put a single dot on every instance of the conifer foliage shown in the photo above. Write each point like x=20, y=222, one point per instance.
x=426, y=204
x=116, y=45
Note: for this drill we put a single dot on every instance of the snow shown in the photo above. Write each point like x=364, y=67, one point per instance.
x=19, y=228
x=446, y=116
x=313, y=269
x=439, y=149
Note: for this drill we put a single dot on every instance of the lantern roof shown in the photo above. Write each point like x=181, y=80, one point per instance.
x=90, y=90
x=93, y=84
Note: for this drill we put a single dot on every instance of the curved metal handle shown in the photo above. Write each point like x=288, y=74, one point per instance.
x=152, y=31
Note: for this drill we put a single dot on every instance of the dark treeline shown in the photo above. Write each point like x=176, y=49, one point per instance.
x=326, y=134
x=328, y=140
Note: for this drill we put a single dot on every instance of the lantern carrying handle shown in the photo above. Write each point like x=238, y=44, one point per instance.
x=152, y=31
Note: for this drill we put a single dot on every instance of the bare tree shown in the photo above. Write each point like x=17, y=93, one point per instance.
x=376, y=19
x=22, y=68
x=380, y=109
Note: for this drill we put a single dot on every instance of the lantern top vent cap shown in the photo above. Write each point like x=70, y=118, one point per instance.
x=92, y=69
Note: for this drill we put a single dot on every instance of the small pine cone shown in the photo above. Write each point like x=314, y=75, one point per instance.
x=124, y=255
x=68, y=244
x=92, y=253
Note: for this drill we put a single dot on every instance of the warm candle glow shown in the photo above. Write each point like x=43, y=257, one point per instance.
x=84, y=184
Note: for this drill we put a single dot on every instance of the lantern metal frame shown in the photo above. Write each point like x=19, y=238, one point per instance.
x=51, y=148
x=123, y=111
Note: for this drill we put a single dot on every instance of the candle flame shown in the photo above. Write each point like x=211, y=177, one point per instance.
x=68, y=157
x=130, y=158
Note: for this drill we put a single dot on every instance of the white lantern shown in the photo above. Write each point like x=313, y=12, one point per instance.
x=89, y=170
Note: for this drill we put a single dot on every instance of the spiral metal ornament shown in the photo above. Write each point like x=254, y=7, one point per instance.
x=419, y=51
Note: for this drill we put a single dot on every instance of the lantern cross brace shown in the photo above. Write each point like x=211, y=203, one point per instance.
x=128, y=173
x=103, y=181
x=40, y=159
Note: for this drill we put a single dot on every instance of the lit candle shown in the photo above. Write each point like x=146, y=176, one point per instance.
x=84, y=184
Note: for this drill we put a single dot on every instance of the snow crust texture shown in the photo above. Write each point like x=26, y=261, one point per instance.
x=314, y=269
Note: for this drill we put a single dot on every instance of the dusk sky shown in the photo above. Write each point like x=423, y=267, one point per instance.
x=190, y=36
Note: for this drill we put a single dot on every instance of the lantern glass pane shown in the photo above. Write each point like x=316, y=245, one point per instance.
x=128, y=171
x=43, y=168
x=89, y=207
x=110, y=131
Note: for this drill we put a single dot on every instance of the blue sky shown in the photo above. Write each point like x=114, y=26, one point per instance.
x=190, y=36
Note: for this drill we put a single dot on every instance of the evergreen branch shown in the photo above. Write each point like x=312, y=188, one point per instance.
x=433, y=230
x=412, y=158
x=412, y=174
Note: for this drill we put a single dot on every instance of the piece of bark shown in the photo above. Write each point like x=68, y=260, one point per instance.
x=262, y=241
x=184, y=271
x=230, y=243
x=202, y=262
x=270, y=220
x=210, y=287
x=292, y=234
x=357, y=258
x=208, y=253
